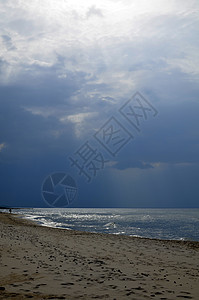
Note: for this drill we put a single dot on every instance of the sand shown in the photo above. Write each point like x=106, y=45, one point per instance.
x=46, y=263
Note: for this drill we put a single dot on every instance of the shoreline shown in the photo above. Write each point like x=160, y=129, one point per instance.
x=41, y=262
x=184, y=241
x=34, y=222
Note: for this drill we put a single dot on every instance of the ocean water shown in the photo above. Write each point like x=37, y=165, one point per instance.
x=170, y=224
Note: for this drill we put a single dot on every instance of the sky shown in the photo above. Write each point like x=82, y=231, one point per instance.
x=102, y=99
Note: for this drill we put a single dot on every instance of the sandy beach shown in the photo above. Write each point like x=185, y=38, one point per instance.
x=46, y=263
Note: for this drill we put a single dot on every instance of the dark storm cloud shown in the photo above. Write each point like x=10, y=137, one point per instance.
x=171, y=138
x=26, y=134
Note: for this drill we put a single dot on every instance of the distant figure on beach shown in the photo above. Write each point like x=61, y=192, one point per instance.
x=10, y=210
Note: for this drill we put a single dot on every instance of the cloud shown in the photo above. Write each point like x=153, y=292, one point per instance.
x=7, y=41
x=169, y=139
x=80, y=120
x=2, y=146
x=130, y=164
x=93, y=11
x=30, y=135
x=147, y=30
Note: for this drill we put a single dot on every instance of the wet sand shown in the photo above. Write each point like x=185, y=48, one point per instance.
x=45, y=263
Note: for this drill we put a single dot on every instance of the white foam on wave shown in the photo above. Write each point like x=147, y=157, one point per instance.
x=161, y=224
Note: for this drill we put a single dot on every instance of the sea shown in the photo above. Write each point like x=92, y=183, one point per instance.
x=166, y=224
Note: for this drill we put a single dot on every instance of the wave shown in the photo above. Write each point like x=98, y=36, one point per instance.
x=170, y=224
